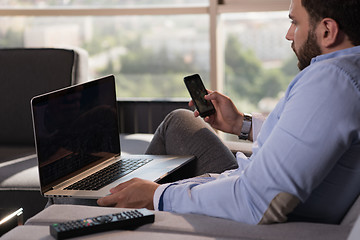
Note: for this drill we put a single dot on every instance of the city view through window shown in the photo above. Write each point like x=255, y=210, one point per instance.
x=259, y=61
x=150, y=55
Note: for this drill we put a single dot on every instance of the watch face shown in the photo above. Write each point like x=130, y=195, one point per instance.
x=246, y=126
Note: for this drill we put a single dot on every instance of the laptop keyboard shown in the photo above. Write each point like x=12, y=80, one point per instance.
x=109, y=174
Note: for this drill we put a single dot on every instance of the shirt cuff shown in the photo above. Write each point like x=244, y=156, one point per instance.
x=257, y=122
x=157, y=199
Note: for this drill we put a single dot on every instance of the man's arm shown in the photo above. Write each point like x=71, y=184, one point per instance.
x=300, y=143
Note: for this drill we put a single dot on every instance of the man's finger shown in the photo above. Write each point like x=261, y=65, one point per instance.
x=196, y=113
x=123, y=185
x=108, y=201
x=191, y=103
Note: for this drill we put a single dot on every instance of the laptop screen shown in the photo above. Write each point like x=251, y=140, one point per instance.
x=75, y=128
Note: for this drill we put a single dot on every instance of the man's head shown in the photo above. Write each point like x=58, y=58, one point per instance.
x=320, y=27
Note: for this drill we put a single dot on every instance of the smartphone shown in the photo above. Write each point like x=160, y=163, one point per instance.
x=197, y=92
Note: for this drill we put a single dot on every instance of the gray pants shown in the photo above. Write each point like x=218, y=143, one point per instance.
x=182, y=134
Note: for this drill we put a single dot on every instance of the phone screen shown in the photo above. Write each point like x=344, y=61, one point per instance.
x=197, y=92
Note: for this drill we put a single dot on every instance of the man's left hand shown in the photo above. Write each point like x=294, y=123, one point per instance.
x=135, y=193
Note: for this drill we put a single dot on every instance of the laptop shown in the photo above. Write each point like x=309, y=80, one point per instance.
x=78, y=144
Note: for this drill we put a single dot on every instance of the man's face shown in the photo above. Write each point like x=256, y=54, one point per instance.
x=302, y=35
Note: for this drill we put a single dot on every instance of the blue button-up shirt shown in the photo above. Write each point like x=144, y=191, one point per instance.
x=308, y=147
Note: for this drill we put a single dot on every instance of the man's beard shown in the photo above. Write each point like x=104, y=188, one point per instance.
x=308, y=50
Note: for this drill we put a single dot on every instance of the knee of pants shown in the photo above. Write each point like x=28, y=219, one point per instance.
x=183, y=117
x=181, y=113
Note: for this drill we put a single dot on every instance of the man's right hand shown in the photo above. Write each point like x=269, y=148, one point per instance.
x=226, y=118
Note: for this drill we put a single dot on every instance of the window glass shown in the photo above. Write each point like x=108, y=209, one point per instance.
x=149, y=55
x=99, y=3
x=259, y=61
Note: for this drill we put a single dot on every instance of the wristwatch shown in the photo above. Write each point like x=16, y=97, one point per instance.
x=246, y=127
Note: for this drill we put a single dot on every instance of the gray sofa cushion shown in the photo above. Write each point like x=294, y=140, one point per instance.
x=20, y=174
x=134, y=143
x=42, y=232
x=189, y=225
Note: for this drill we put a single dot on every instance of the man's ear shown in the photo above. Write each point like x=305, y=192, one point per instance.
x=328, y=31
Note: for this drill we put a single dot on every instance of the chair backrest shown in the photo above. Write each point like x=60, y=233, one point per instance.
x=24, y=73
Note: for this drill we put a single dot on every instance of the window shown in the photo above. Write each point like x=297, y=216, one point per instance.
x=259, y=61
x=142, y=43
x=150, y=45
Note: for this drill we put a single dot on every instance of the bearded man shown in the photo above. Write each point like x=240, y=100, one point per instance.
x=306, y=154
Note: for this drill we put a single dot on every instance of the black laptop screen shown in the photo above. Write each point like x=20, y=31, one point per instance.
x=75, y=127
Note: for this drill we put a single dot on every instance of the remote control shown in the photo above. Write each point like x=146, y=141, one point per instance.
x=124, y=220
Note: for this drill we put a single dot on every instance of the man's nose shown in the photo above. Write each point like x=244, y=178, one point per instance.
x=290, y=34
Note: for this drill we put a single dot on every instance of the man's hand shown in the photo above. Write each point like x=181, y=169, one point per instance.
x=227, y=118
x=135, y=193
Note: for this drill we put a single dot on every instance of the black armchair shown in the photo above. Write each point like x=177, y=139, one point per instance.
x=24, y=73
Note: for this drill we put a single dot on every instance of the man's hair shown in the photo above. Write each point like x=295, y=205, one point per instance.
x=345, y=12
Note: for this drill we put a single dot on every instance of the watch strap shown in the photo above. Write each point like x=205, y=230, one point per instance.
x=246, y=127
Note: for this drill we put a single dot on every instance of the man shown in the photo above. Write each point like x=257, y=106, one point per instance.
x=306, y=157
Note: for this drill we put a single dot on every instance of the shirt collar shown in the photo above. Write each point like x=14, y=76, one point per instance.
x=347, y=51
